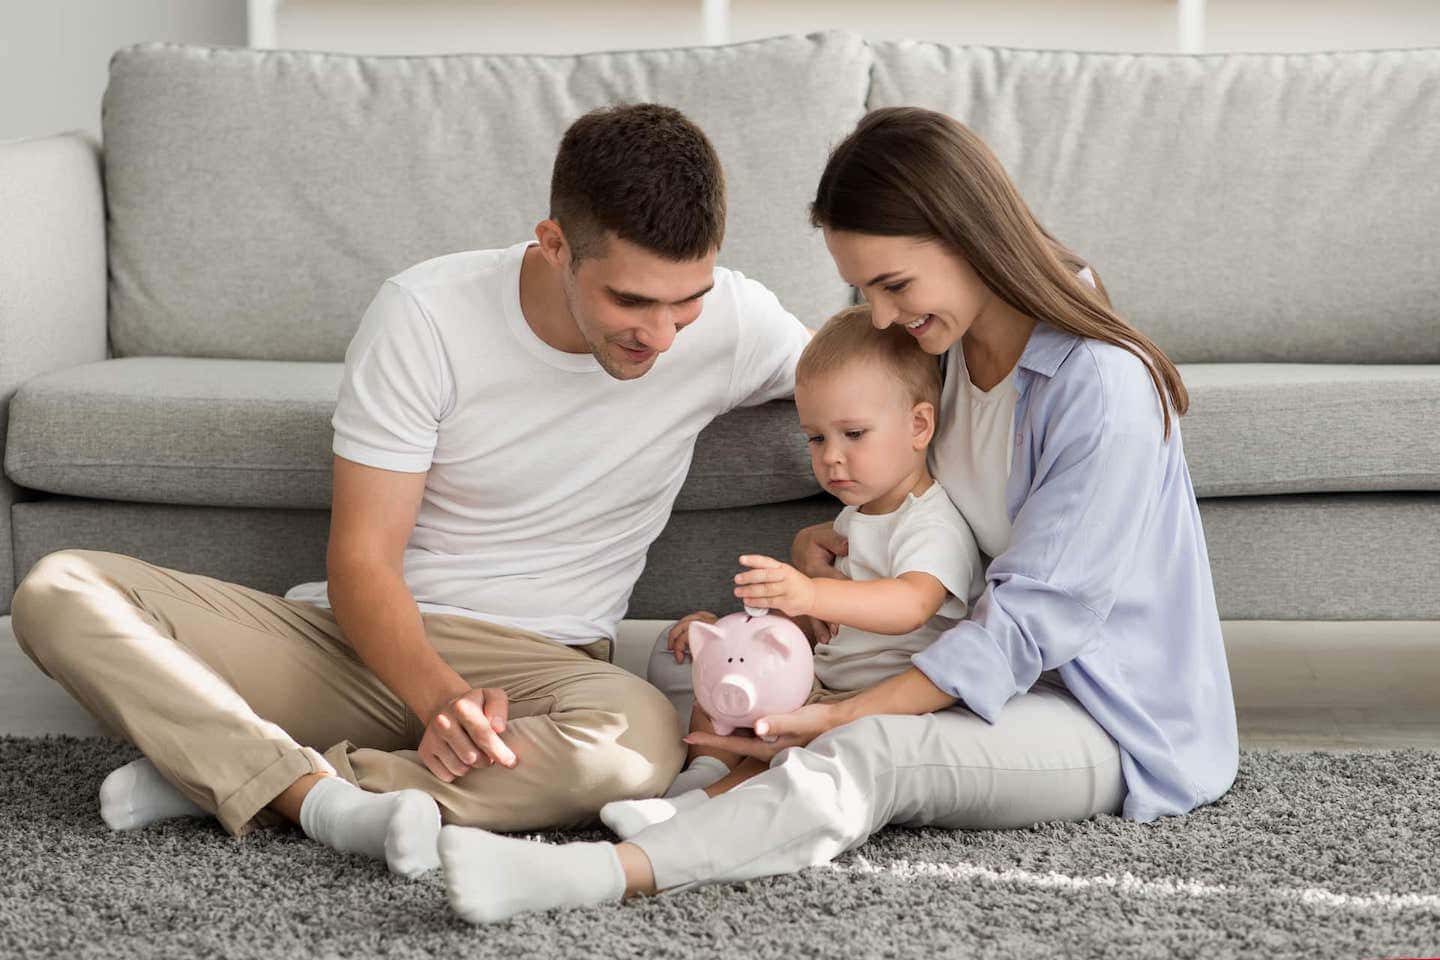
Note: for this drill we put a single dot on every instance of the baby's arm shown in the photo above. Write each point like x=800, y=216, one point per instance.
x=893, y=606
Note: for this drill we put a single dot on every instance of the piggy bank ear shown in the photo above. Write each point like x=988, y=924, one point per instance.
x=702, y=633
x=771, y=638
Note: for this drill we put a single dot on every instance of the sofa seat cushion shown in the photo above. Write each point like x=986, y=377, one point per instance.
x=1262, y=428
x=251, y=433
x=257, y=433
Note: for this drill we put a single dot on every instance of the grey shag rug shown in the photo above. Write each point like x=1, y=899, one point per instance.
x=1309, y=855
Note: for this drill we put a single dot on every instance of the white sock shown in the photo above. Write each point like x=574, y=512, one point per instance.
x=137, y=794
x=400, y=827
x=489, y=877
x=629, y=817
x=702, y=772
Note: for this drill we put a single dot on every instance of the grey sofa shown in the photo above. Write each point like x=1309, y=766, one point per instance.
x=174, y=310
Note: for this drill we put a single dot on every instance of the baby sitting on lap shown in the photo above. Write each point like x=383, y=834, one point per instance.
x=867, y=400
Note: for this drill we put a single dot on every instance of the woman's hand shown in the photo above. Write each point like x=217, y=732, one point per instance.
x=465, y=733
x=773, y=734
x=678, y=641
x=815, y=549
x=774, y=585
x=818, y=631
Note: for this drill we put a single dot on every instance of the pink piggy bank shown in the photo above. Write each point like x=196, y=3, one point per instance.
x=749, y=667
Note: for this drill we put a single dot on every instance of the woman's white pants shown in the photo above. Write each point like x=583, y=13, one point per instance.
x=1043, y=759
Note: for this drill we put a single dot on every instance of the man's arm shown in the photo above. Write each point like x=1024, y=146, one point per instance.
x=372, y=514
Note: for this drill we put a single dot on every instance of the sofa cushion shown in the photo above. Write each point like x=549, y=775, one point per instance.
x=257, y=199
x=257, y=433
x=1239, y=207
x=1258, y=428
x=252, y=433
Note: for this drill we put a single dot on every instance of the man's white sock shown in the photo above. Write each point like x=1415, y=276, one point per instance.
x=400, y=827
x=702, y=772
x=490, y=878
x=629, y=817
x=137, y=794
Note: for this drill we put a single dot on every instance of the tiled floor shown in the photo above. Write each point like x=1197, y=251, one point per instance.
x=1298, y=685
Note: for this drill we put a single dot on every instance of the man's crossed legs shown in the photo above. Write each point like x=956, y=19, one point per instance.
x=232, y=694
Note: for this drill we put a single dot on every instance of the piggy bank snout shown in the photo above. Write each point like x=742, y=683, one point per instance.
x=735, y=695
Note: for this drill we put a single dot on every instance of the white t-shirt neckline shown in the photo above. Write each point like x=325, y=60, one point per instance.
x=520, y=327
x=910, y=500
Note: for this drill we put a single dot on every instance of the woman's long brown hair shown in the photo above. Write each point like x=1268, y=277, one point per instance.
x=910, y=172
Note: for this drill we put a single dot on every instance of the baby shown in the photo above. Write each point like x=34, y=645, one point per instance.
x=867, y=401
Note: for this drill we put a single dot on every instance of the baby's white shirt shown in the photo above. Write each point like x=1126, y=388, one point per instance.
x=925, y=534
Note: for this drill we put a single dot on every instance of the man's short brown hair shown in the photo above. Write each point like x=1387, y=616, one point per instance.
x=851, y=335
x=643, y=172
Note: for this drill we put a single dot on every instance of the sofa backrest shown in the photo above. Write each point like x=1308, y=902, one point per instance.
x=257, y=199
x=1239, y=207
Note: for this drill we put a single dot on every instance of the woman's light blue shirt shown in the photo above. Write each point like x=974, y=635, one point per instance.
x=1106, y=578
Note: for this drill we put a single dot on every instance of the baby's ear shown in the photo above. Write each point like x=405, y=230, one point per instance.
x=771, y=638
x=922, y=423
x=702, y=633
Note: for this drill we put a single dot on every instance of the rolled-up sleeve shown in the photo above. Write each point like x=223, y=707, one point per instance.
x=1098, y=472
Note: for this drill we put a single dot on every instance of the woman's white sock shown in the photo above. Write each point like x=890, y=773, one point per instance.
x=490, y=878
x=400, y=827
x=137, y=794
x=628, y=817
x=702, y=772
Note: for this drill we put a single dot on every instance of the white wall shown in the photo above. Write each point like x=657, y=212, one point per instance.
x=55, y=54
x=567, y=26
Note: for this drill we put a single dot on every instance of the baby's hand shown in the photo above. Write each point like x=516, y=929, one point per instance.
x=679, y=639
x=775, y=585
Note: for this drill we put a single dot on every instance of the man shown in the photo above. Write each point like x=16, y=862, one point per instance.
x=511, y=431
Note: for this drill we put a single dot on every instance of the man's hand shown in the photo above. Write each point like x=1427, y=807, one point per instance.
x=774, y=585
x=465, y=733
x=679, y=638
x=816, y=549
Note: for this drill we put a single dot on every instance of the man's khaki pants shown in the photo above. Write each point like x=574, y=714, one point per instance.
x=234, y=693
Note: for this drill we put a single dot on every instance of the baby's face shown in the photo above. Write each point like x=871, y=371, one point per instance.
x=865, y=437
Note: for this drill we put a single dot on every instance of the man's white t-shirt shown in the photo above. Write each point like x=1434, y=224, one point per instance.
x=925, y=534
x=547, y=479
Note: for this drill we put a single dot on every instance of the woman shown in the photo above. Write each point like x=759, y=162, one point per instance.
x=1090, y=677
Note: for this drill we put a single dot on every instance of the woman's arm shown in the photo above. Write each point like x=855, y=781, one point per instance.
x=1097, y=479
x=909, y=693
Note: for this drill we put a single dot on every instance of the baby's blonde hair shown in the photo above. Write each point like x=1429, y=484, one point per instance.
x=851, y=335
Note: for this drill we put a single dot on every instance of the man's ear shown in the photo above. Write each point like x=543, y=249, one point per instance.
x=553, y=245
x=922, y=424
x=702, y=633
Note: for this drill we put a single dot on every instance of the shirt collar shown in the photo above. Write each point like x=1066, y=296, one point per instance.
x=1047, y=349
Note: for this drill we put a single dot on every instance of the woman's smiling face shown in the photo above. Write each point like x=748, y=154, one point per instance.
x=920, y=284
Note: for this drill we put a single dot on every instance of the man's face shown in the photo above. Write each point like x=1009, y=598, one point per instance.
x=630, y=303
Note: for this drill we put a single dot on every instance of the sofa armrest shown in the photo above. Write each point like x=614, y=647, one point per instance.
x=52, y=278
